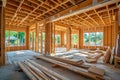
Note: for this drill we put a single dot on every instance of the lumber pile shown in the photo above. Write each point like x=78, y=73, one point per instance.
x=76, y=69
x=93, y=58
x=36, y=71
x=70, y=61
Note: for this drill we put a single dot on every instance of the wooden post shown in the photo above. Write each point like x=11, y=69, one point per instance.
x=48, y=37
x=81, y=38
x=62, y=39
x=53, y=44
x=37, y=37
x=33, y=41
x=68, y=39
x=41, y=42
x=2, y=34
x=27, y=38
x=115, y=28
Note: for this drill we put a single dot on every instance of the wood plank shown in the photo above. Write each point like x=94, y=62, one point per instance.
x=48, y=70
x=39, y=72
x=75, y=63
x=29, y=74
x=96, y=70
x=31, y=71
x=81, y=71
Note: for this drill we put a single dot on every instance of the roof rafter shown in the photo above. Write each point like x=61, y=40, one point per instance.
x=50, y=10
x=31, y=13
x=99, y=17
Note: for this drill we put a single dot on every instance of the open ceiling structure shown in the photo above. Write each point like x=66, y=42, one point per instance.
x=24, y=13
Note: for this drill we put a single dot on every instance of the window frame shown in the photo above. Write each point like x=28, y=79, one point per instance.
x=95, y=38
x=16, y=37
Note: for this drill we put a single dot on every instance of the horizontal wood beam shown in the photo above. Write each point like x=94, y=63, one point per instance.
x=85, y=9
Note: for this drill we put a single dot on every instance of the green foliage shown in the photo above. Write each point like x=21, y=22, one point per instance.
x=14, y=37
x=74, y=38
x=93, y=38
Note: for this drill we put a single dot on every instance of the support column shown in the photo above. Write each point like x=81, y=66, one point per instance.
x=27, y=38
x=48, y=37
x=53, y=38
x=68, y=39
x=33, y=41
x=115, y=28
x=41, y=42
x=37, y=37
x=2, y=34
x=62, y=39
x=116, y=36
x=81, y=38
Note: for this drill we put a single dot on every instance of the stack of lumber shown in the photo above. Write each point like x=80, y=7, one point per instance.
x=70, y=66
x=36, y=71
x=94, y=57
x=78, y=63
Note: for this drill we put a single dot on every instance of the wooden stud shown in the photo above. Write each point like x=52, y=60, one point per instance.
x=2, y=34
x=48, y=37
x=68, y=39
x=37, y=37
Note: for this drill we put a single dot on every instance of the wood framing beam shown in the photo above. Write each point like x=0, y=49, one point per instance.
x=84, y=10
x=48, y=38
x=18, y=9
x=37, y=37
x=99, y=17
x=50, y=10
x=27, y=38
x=62, y=38
x=69, y=22
x=109, y=15
x=74, y=19
x=33, y=45
x=31, y=13
x=68, y=39
x=2, y=33
x=91, y=19
x=72, y=1
x=85, y=20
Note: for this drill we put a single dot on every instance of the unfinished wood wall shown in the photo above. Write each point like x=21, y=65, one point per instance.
x=109, y=38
